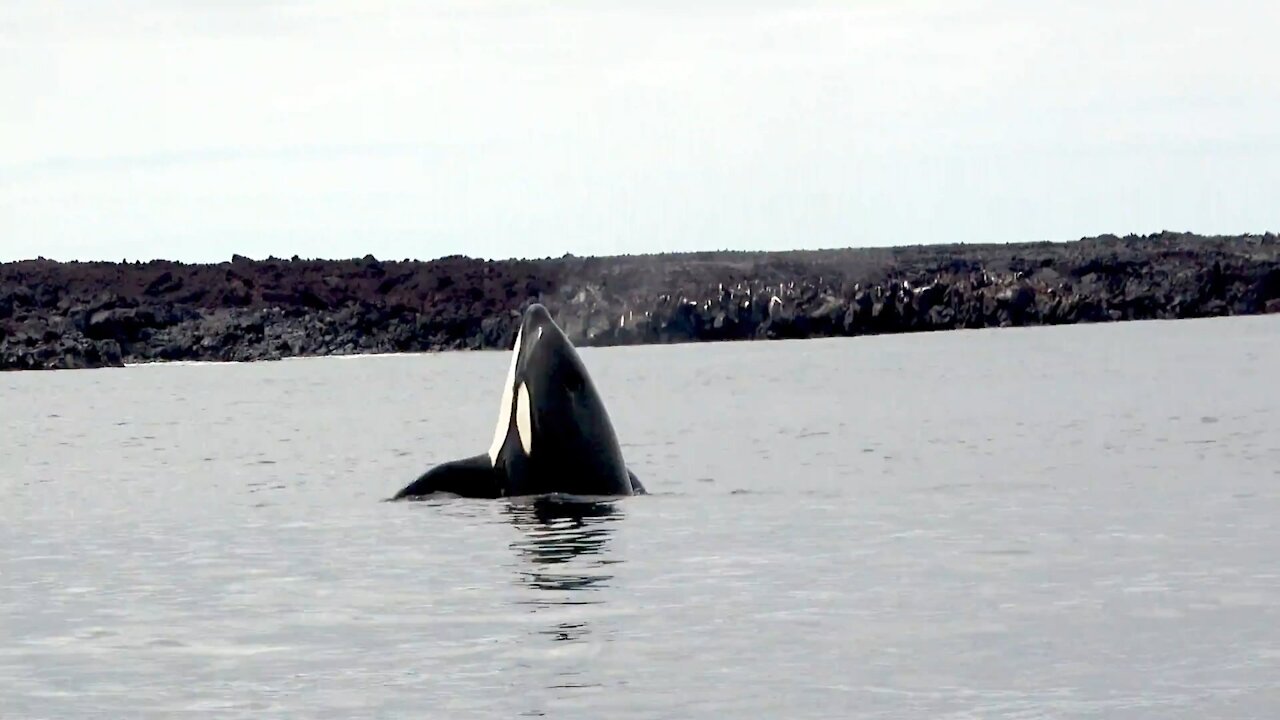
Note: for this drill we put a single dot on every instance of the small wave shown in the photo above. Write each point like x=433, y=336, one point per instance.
x=356, y=356
x=185, y=363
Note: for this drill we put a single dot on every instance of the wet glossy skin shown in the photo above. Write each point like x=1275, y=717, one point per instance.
x=553, y=436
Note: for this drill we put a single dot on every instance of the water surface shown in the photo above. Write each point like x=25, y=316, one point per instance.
x=1051, y=522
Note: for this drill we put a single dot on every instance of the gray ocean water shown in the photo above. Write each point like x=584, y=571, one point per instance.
x=1025, y=523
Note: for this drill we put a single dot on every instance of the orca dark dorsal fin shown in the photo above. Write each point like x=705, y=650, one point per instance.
x=472, y=477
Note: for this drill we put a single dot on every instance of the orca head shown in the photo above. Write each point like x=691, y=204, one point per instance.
x=546, y=363
x=553, y=437
x=550, y=403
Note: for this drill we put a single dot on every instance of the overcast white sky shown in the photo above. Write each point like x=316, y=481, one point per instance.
x=140, y=129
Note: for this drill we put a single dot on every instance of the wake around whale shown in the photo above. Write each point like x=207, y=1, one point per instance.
x=553, y=435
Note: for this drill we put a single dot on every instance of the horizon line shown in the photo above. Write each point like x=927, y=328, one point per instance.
x=370, y=257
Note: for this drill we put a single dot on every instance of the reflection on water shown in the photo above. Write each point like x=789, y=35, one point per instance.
x=564, y=547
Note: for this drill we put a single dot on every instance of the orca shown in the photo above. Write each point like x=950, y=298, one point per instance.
x=553, y=436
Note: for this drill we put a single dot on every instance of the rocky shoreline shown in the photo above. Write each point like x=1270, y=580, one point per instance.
x=77, y=315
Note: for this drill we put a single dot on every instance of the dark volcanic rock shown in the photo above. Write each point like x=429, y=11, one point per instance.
x=67, y=315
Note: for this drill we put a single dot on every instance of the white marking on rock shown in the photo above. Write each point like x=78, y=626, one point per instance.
x=504, y=410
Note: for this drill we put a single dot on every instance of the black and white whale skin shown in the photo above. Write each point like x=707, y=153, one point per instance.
x=553, y=435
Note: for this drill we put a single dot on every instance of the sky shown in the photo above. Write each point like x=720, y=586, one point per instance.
x=136, y=129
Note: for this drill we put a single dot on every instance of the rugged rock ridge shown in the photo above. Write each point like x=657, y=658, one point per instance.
x=71, y=315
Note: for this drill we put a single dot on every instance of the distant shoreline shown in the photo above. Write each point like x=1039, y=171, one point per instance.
x=96, y=314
